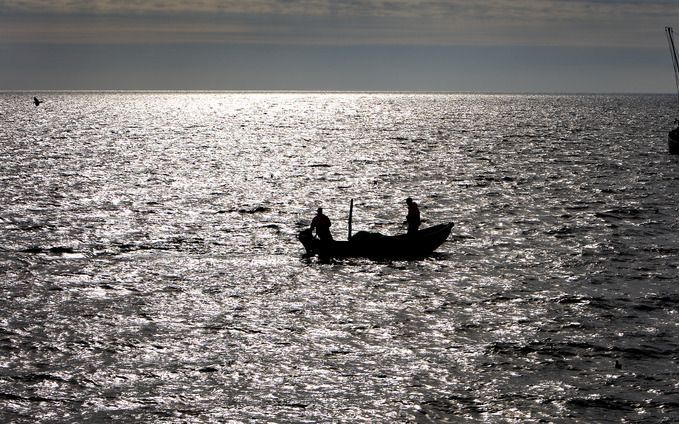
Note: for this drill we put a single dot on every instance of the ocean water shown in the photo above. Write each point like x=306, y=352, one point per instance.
x=150, y=272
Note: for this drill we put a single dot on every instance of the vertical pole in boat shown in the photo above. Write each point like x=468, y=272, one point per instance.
x=351, y=212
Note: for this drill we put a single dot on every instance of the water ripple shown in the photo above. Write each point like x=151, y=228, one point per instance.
x=151, y=271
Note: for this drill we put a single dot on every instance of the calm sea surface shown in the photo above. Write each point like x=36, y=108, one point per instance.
x=150, y=272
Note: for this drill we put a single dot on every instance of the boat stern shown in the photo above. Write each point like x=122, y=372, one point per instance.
x=307, y=239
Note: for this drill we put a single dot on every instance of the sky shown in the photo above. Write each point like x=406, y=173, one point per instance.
x=554, y=46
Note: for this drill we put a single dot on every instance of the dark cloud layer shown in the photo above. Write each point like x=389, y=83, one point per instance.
x=632, y=30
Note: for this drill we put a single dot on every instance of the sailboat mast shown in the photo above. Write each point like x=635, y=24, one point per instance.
x=673, y=52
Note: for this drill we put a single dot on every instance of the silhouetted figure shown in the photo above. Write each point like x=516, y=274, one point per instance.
x=322, y=225
x=36, y=101
x=413, y=216
x=618, y=365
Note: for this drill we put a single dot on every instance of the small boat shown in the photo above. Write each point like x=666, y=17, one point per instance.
x=376, y=245
x=673, y=136
x=673, y=141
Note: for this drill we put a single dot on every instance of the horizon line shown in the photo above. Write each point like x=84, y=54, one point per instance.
x=314, y=91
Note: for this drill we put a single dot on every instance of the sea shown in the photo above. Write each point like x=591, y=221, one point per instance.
x=150, y=270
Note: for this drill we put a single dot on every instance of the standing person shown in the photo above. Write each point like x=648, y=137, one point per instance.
x=413, y=216
x=322, y=225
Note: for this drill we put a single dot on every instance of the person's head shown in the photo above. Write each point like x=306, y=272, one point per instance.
x=320, y=211
x=409, y=201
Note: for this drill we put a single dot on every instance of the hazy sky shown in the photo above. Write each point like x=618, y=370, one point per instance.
x=410, y=45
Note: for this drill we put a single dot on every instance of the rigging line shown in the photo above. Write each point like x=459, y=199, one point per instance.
x=673, y=52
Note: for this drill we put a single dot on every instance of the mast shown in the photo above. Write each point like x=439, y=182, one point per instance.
x=673, y=52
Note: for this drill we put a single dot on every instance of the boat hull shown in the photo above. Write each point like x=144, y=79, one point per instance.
x=673, y=141
x=420, y=244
